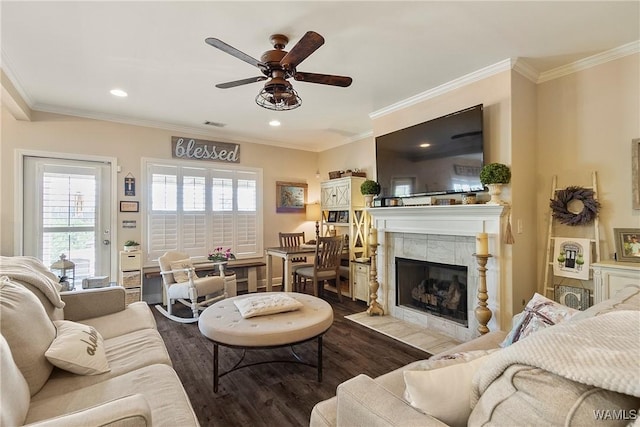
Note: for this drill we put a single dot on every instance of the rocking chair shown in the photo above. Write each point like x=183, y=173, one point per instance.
x=181, y=284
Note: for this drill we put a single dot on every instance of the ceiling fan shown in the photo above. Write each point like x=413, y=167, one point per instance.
x=278, y=66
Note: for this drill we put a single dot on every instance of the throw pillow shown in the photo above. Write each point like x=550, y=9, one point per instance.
x=268, y=304
x=443, y=393
x=540, y=313
x=78, y=348
x=180, y=275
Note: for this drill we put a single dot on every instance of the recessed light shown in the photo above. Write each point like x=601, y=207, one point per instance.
x=274, y=123
x=425, y=145
x=119, y=92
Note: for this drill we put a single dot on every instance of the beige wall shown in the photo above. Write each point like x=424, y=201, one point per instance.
x=73, y=135
x=586, y=122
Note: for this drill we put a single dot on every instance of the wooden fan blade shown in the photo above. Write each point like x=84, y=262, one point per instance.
x=308, y=44
x=235, y=83
x=219, y=44
x=323, y=79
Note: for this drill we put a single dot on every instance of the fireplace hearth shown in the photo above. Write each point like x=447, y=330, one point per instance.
x=434, y=288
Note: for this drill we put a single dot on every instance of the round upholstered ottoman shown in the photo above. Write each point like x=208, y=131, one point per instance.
x=224, y=324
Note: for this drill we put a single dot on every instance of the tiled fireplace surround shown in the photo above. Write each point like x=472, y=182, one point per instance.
x=442, y=234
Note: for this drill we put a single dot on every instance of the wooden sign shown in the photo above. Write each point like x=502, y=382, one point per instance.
x=200, y=149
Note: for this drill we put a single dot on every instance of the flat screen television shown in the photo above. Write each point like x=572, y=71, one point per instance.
x=440, y=156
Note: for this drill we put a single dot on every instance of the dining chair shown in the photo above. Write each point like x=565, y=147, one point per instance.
x=326, y=265
x=181, y=284
x=292, y=240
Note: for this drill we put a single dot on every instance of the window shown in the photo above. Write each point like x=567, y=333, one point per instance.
x=196, y=209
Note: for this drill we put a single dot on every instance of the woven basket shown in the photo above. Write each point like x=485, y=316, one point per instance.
x=334, y=174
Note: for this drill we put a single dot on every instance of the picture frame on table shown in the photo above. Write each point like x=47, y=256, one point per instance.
x=332, y=216
x=291, y=197
x=127, y=206
x=627, y=244
x=343, y=217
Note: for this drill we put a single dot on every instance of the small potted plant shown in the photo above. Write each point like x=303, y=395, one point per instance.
x=131, y=246
x=369, y=189
x=494, y=175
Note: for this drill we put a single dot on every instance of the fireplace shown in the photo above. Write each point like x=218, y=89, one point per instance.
x=434, y=288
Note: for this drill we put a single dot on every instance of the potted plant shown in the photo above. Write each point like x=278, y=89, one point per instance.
x=369, y=188
x=131, y=245
x=494, y=175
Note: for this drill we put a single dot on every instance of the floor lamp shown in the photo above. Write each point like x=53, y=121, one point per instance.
x=314, y=213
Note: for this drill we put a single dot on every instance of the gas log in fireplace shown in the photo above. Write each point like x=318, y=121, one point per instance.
x=438, y=289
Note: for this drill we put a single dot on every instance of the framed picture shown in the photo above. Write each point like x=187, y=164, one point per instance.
x=343, y=216
x=627, y=244
x=572, y=257
x=291, y=197
x=129, y=206
x=332, y=216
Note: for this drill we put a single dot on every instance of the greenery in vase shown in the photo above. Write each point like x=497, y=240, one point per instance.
x=131, y=243
x=370, y=187
x=495, y=173
x=221, y=255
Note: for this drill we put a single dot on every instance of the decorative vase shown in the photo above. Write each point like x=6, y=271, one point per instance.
x=368, y=200
x=495, y=190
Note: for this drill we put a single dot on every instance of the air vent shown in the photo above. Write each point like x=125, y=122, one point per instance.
x=216, y=124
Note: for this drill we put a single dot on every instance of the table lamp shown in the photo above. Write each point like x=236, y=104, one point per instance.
x=314, y=213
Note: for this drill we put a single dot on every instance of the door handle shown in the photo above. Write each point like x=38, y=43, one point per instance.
x=106, y=242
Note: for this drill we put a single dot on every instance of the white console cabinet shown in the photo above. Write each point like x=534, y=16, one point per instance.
x=130, y=275
x=610, y=276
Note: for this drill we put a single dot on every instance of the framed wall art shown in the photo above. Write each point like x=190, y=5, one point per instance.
x=129, y=206
x=627, y=244
x=291, y=197
x=572, y=258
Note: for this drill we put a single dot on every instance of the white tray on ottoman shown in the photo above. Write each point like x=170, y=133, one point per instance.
x=224, y=325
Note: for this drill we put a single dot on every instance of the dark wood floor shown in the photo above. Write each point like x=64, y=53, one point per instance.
x=278, y=394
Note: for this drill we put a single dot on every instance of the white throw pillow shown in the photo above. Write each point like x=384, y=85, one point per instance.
x=443, y=393
x=78, y=348
x=540, y=313
x=178, y=266
x=261, y=305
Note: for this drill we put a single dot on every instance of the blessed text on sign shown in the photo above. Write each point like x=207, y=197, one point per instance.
x=200, y=149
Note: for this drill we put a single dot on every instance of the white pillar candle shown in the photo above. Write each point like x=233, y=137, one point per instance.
x=482, y=244
x=373, y=236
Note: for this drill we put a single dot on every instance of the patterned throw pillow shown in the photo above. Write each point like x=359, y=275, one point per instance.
x=540, y=313
x=180, y=275
x=78, y=348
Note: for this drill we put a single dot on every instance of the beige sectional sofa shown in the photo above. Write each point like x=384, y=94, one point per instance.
x=583, y=371
x=140, y=386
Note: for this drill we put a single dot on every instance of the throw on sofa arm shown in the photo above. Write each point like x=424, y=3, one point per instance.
x=81, y=305
x=364, y=402
x=129, y=411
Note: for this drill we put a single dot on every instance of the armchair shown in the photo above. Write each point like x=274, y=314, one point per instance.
x=181, y=284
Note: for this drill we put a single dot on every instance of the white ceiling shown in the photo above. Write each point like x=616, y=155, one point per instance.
x=66, y=56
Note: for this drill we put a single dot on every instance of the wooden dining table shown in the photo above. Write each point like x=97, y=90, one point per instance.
x=287, y=253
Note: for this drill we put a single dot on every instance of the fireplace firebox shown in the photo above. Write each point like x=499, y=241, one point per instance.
x=438, y=289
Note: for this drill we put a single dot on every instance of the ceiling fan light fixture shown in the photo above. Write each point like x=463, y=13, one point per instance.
x=278, y=95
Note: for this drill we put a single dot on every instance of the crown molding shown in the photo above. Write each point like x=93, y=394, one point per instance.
x=526, y=70
x=591, y=61
x=5, y=64
x=478, y=75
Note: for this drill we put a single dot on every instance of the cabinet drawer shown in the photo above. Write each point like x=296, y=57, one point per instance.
x=130, y=261
x=130, y=278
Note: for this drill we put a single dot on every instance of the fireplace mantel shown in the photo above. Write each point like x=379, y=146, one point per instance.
x=444, y=234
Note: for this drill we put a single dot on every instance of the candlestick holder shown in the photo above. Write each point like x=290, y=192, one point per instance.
x=483, y=314
x=375, y=309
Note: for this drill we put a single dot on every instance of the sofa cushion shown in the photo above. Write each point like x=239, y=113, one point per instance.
x=627, y=298
x=444, y=393
x=125, y=354
x=159, y=384
x=28, y=331
x=134, y=317
x=524, y=395
x=78, y=348
x=539, y=313
x=14, y=390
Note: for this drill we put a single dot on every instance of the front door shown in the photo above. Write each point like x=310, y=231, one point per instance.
x=67, y=210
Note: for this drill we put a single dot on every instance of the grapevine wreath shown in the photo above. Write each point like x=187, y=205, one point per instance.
x=560, y=204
